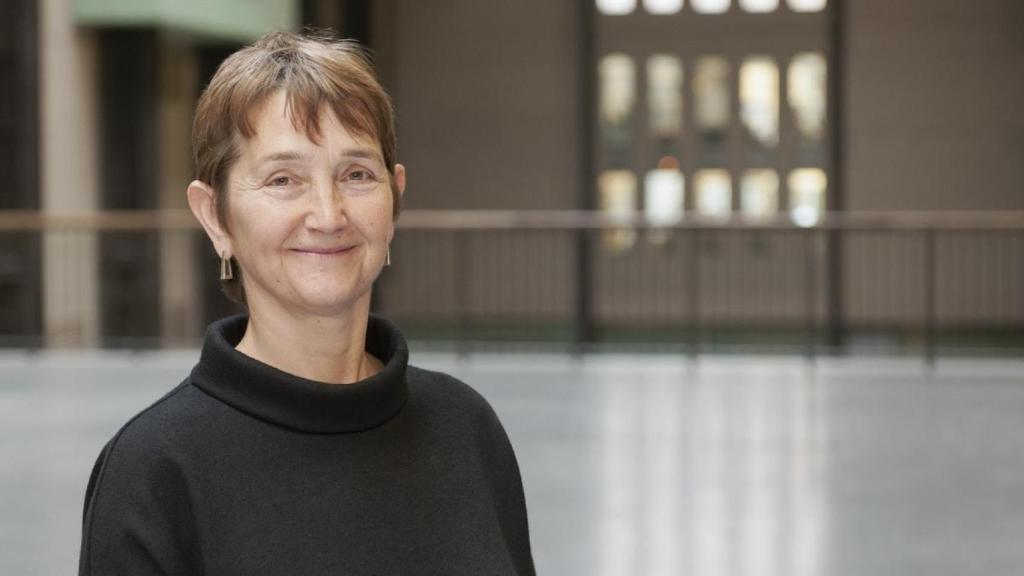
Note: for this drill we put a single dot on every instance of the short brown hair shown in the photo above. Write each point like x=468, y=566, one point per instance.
x=314, y=71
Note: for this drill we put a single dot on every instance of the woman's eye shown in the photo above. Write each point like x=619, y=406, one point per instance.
x=281, y=181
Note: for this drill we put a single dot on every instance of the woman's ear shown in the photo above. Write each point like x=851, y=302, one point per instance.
x=400, y=186
x=400, y=179
x=203, y=203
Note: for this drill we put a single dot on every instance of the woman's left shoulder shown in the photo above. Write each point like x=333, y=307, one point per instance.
x=447, y=390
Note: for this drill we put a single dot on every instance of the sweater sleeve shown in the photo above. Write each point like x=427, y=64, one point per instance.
x=138, y=516
x=510, y=497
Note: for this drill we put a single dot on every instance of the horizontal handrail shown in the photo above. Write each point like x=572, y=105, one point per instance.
x=139, y=220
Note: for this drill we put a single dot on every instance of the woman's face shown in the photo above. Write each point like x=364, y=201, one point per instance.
x=309, y=223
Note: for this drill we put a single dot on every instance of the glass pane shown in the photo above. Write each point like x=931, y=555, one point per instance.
x=616, y=7
x=714, y=193
x=617, y=92
x=618, y=198
x=807, y=195
x=710, y=6
x=711, y=106
x=664, y=191
x=759, y=193
x=663, y=6
x=806, y=94
x=759, y=5
x=665, y=102
x=806, y=5
x=759, y=100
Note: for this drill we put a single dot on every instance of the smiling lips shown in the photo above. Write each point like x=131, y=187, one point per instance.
x=325, y=251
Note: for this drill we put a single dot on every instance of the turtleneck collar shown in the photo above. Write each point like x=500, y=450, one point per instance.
x=297, y=403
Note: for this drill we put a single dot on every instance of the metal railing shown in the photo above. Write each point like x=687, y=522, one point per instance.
x=927, y=282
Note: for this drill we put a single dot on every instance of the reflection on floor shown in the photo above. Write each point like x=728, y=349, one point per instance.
x=634, y=465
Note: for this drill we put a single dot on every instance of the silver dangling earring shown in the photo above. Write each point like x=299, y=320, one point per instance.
x=226, y=273
x=387, y=257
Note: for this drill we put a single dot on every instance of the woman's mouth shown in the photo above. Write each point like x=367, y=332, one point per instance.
x=325, y=251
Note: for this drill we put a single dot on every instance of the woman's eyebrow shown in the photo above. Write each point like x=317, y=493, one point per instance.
x=291, y=155
x=367, y=153
x=282, y=156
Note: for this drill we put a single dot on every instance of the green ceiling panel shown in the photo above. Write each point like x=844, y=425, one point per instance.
x=239, y=20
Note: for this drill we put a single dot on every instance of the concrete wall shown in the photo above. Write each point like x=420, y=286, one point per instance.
x=487, y=97
x=933, y=122
x=933, y=105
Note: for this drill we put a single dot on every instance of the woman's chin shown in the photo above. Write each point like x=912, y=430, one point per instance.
x=330, y=300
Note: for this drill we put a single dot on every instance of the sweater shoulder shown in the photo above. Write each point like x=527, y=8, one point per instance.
x=153, y=443
x=445, y=390
x=160, y=430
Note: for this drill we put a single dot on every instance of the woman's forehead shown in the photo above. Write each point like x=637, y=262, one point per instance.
x=278, y=130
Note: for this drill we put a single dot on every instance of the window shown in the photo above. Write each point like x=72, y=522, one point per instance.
x=728, y=120
x=806, y=5
x=710, y=6
x=616, y=7
x=617, y=94
x=665, y=102
x=806, y=94
x=759, y=194
x=618, y=198
x=759, y=100
x=664, y=190
x=714, y=193
x=806, y=195
x=759, y=6
x=663, y=6
x=711, y=106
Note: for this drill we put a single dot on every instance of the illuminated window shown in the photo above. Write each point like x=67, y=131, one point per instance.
x=759, y=194
x=759, y=6
x=664, y=190
x=616, y=7
x=665, y=101
x=618, y=198
x=759, y=100
x=617, y=94
x=806, y=5
x=663, y=6
x=711, y=105
x=714, y=193
x=806, y=94
x=807, y=195
x=710, y=6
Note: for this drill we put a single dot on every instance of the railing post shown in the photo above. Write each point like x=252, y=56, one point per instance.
x=694, y=295
x=810, y=294
x=462, y=272
x=929, y=290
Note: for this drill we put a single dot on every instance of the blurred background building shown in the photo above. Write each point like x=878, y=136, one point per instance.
x=768, y=162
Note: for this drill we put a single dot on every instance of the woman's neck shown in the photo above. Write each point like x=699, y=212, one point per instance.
x=328, y=349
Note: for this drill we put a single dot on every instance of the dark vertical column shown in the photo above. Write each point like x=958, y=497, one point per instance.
x=356, y=21
x=20, y=253
x=836, y=58
x=347, y=18
x=129, y=136
x=308, y=12
x=583, y=325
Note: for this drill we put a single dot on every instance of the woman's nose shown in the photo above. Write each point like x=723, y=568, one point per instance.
x=327, y=210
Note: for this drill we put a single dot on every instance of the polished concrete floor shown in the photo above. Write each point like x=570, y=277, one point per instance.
x=634, y=465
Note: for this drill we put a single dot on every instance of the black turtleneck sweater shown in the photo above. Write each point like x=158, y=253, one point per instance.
x=246, y=470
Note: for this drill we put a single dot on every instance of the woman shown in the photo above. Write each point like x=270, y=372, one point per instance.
x=302, y=443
